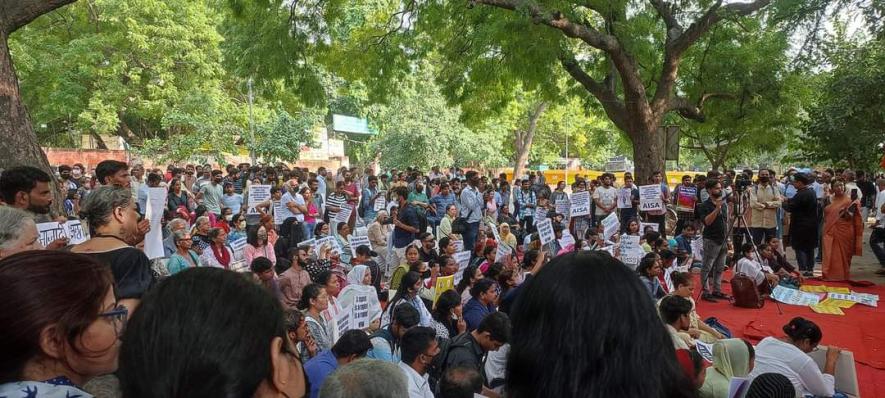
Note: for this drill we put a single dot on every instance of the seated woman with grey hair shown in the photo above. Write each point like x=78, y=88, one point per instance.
x=113, y=225
x=18, y=232
x=184, y=257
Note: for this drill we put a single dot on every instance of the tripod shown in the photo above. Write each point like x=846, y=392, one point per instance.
x=740, y=206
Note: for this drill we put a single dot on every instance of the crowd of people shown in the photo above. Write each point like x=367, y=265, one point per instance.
x=473, y=285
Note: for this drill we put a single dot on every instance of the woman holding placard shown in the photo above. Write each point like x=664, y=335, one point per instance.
x=315, y=300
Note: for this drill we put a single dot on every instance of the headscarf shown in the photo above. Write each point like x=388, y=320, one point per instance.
x=356, y=275
x=731, y=358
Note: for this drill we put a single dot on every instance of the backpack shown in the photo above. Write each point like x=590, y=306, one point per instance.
x=438, y=365
x=745, y=293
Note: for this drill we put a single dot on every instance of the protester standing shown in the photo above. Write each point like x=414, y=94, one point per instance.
x=843, y=233
x=471, y=208
x=803, y=222
x=714, y=214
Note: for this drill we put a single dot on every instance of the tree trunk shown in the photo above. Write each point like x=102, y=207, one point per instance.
x=19, y=140
x=524, y=139
x=648, y=151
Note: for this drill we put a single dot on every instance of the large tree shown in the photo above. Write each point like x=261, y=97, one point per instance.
x=16, y=132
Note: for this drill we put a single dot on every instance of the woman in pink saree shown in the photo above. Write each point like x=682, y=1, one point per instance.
x=842, y=235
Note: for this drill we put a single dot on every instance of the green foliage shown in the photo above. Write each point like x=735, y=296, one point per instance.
x=281, y=137
x=845, y=125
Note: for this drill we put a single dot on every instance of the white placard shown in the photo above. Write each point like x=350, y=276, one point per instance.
x=501, y=252
x=563, y=207
x=462, y=258
x=238, y=246
x=794, y=296
x=697, y=249
x=706, y=350
x=631, y=251
x=77, y=233
x=361, y=231
x=580, y=205
x=153, y=241
x=650, y=198
x=344, y=214
x=380, y=203
x=871, y=300
x=329, y=240
x=567, y=239
x=257, y=194
x=495, y=232
x=278, y=212
x=356, y=241
x=50, y=231
x=642, y=225
x=610, y=225
x=360, y=316
x=545, y=231
x=668, y=278
x=342, y=320
x=459, y=245
x=625, y=198
x=307, y=243
x=540, y=214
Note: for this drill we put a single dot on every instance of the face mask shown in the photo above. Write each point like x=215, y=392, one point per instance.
x=229, y=217
x=716, y=194
x=763, y=179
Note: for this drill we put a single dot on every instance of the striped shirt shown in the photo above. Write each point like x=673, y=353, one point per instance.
x=335, y=200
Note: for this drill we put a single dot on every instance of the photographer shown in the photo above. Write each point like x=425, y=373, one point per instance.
x=764, y=202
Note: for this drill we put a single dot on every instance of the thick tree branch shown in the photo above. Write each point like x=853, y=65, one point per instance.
x=612, y=105
x=676, y=46
x=665, y=10
x=555, y=19
x=17, y=13
x=686, y=109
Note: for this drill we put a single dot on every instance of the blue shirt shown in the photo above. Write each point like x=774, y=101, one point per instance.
x=409, y=216
x=368, y=204
x=471, y=204
x=474, y=312
x=524, y=198
x=318, y=368
x=440, y=203
x=233, y=202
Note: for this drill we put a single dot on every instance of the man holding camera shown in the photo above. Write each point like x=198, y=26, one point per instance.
x=764, y=202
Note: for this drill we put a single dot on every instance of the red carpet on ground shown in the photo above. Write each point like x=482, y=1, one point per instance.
x=861, y=330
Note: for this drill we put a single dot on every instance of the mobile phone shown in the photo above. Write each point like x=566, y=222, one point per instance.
x=853, y=194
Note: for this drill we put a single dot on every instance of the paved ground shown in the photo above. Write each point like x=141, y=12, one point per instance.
x=863, y=268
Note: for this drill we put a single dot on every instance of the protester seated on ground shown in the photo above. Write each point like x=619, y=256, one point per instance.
x=648, y=240
x=315, y=300
x=683, y=249
x=748, y=265
x=331, y=282
x=675, y=312
x=263, y=273
x=299, y=335
x=366, y=378
x=221, y=306
x=789, y=357
x=558, y=339
x=219, y=254
x=412, y=259
x=683, y=286
x=113, y=223
x=488, y=258
x=777, y=261
x=731, y=358
x=448, y=319
x=257, y=245
x=471, y=275
x=419, y=348
x=494, y=271
x=352, y=345
x=771, y=385
x=61, y=323
x=460, y=382
x=468, y=349
x=359, y=283
x=18, y=232
x=447, y=265
x=484, y=299
x=364, y=255
x=385, y=341
x=649, y=270
x=693, y=365
x=410, y=285
x=507, y=280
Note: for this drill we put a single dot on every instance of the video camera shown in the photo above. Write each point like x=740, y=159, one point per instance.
x=741, y=182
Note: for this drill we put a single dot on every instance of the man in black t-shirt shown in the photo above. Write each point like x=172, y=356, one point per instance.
x=713, y=212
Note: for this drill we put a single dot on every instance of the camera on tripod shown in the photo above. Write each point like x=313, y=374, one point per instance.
x=741, y=182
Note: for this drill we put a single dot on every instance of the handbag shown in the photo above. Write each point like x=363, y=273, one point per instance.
x=745, y=293
x=459, y=226
x=714, y=323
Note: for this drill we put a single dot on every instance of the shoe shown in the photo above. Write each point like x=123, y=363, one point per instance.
x=721, y=295
x=709, y=297
x=808, y=274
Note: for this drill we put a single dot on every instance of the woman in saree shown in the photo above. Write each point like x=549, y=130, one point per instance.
x=842, y=235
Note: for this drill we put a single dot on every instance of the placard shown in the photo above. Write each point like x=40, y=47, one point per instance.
x=47, y=232
x=380, y=203
x=77, y=233
x=540, y=214
x=278, y=212
x=343, y=214
x=495, y=232
x=258, y=194
x=706, y=350
x=668, y=278
x=307, y=243
x=650, y=198
x=545, y=231
x=463, y=260
x=567, y=239
x=153, y=241
x=794, y=296
x=342, y=320
x=329, y=240
x=238, y=246
x=631, y=251
x=361, y=231
x=564, y=207
x=642, y=225
x=360, y=315
x=501, y=251
x=459, y=245
x=625, y=198
x=610, y=225
x=443, y=283
x=356, y=241
x=686, y=198
x=580, y=204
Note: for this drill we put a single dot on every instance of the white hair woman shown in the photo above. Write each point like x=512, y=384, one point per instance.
x=379, y=231
x=18, y=232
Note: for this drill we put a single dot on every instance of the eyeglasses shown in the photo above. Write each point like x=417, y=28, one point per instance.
x=118, y=316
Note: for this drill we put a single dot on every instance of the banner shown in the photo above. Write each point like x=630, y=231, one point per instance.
x=650, y=198
x=625, y=198
x=580, y=204
x=545, y=231
x=257, y=194
x=153, y=241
